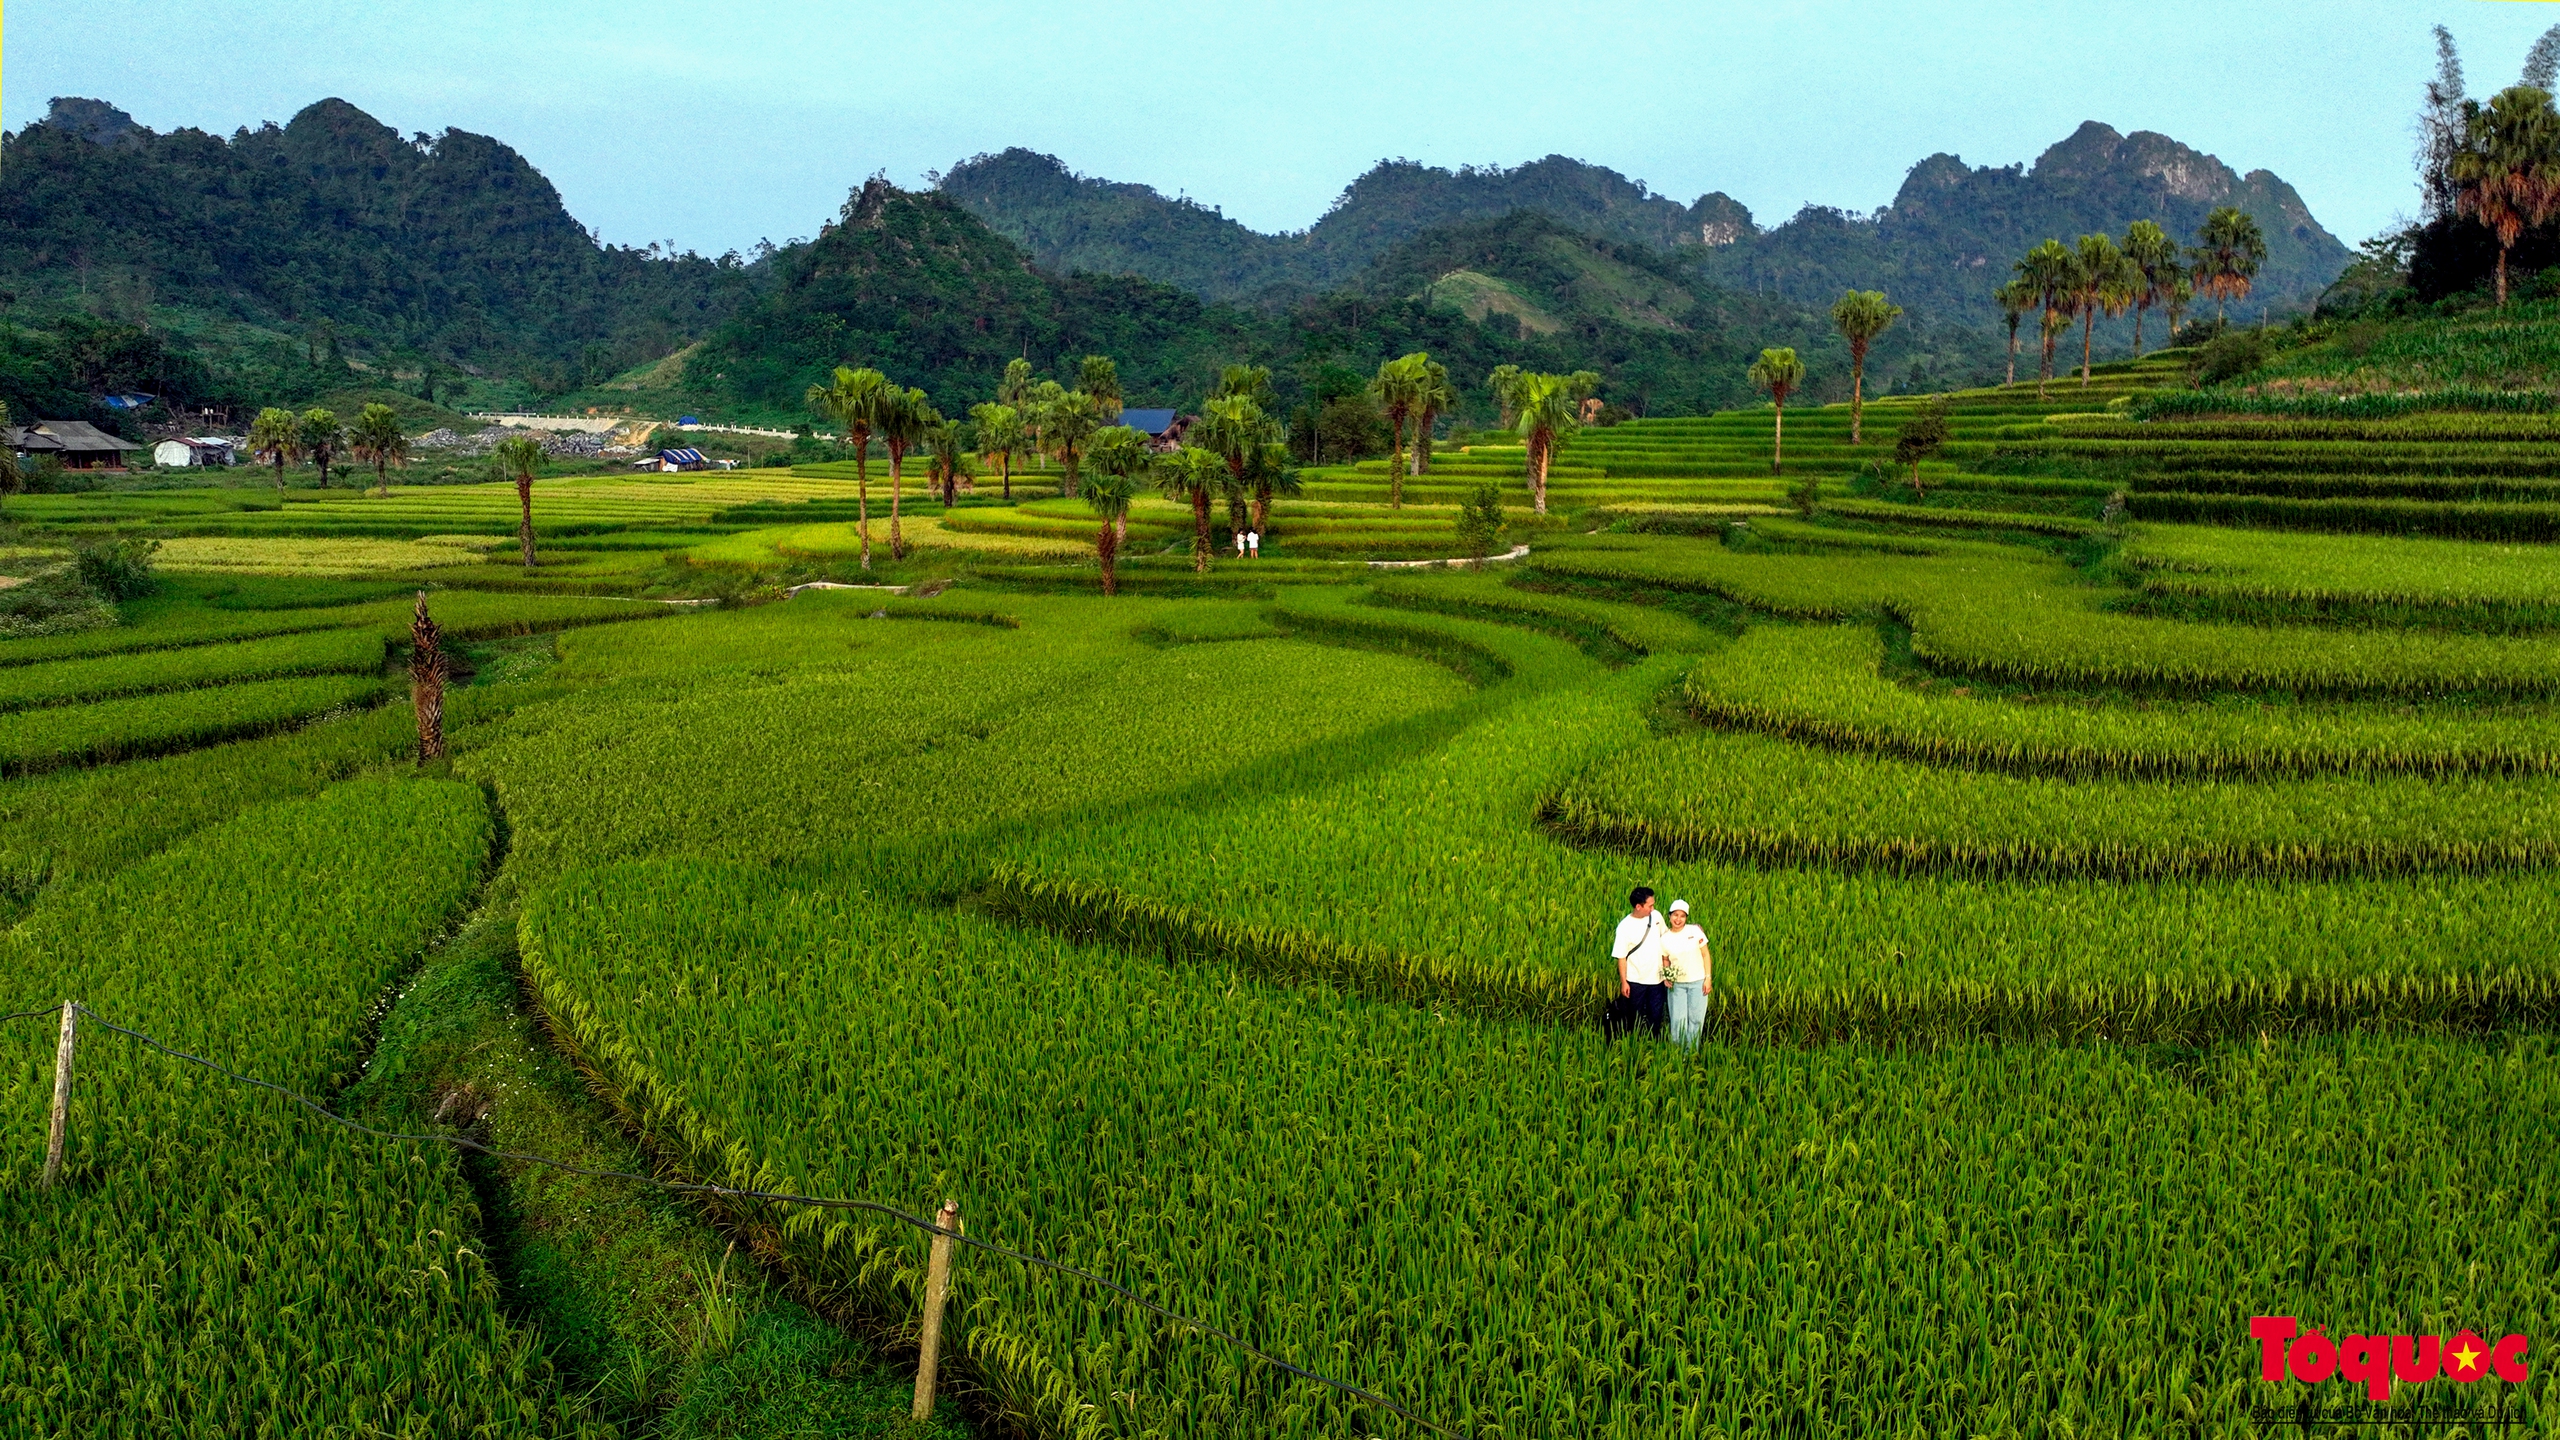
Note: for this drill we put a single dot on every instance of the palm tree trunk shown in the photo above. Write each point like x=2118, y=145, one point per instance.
x=1857, y=394
x=1538, y=443
x=1069, y=461
x=1200, y=529
x=1778, y=442
x=1395, y=465
x=279, y=472
x=2088, y=337
x=524, y=526
x=2013, y=355
x=897, y=485
x=862, y=498
x=1422, y=445
x=1261, y=511
x=2137, y=329
x=1008, y=476
x=2502, y=277
x=381, y=481
x=1106, y=543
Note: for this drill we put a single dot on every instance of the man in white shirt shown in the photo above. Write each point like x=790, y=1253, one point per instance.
x=1637, y=948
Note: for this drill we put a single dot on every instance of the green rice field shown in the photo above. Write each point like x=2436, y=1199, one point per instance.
x=2128, y=861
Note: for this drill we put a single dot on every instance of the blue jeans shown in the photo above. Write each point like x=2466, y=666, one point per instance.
x=1688, y=1012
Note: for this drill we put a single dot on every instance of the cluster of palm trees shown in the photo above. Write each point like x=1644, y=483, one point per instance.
x=867, y=405
x=1545, y=411
x=2146, y=270
x=1232, y=452
x=2505, y=166
x=1411, y=388
x=319, y=436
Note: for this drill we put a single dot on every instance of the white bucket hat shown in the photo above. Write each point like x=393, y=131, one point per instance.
x=1680, y=905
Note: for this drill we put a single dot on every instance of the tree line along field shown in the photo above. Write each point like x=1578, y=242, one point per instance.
x=2131, y=916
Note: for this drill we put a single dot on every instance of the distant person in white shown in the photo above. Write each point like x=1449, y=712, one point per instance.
x=1253, y=542
x=1637, y=948
x=1239, y=544
x=1688, y=968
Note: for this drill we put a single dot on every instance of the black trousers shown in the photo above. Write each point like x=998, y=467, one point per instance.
x=1653, y=1005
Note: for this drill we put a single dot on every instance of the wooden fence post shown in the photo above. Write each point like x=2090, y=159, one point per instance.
x=61, y=1097
x=937, y=1285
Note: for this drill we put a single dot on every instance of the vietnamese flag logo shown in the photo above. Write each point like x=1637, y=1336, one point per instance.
x=2375, y=1361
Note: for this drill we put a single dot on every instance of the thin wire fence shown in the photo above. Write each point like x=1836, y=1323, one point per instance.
x=779, y=1197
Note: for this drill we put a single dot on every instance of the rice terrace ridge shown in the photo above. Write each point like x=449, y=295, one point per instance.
x=1100, y=800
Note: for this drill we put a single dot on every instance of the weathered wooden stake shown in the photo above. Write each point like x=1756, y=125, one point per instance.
x=937, y=1285
x=61, y=1097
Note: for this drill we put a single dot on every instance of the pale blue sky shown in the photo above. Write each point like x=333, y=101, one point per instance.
x=713, y=125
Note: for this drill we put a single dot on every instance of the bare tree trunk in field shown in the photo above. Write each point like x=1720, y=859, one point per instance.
x=1540, y=446
x=426, y=682
x=1778, y=441
x=2137, y=330
x=1106, y=543
x=524, y=527
x=2088, y=336
x=1395, y=465
x=1008, y=475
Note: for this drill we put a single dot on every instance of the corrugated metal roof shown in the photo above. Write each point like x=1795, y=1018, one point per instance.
x=681, y=457
x=1147, y=422
x=83, y=436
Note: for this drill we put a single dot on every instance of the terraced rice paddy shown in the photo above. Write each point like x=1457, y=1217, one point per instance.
x=2122, y=929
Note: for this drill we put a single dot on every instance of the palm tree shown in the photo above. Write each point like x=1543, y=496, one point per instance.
x=322, y=438
x=2054, y=324
x=516, y=458
x=2154, y=257
x=1109, y=493
x=1394, y=388
x=2507, y=172
x=1547, y=409
x=1188, y=475
x=1504, y=381
x=2104, y=281
x=1098, y=377
x=904, y=424
x=1070, y=422
x=1779, y=372
x=1860, y=316
x=856, y=400
x=1016, y=385
x=2228, y=253
x=1270, y=472
x=2180, y=293
x=276, y=434
x=1432, y=398
x=950, y=460
x=1037, y=407
x=376, y=440
x=1234, y=428
x=999, y=434
x=1250, y=381
x=2015, y=299
x=2052, y=272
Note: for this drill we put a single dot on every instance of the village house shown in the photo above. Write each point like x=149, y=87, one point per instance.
x=76, y=443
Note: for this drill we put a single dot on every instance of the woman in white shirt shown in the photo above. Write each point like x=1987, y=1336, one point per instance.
x=1688, y=969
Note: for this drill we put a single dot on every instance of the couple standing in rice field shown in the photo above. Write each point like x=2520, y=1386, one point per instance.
x=1665, y=970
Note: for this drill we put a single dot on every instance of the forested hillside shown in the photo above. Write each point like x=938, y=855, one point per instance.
x=336, y=231
x=1938, y=249
x=1951, y=233
x=1080, y=222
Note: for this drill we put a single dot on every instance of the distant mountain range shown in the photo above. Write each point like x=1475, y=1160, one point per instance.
x=1074, y=222
x=1946, y=239
x=298, y=260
